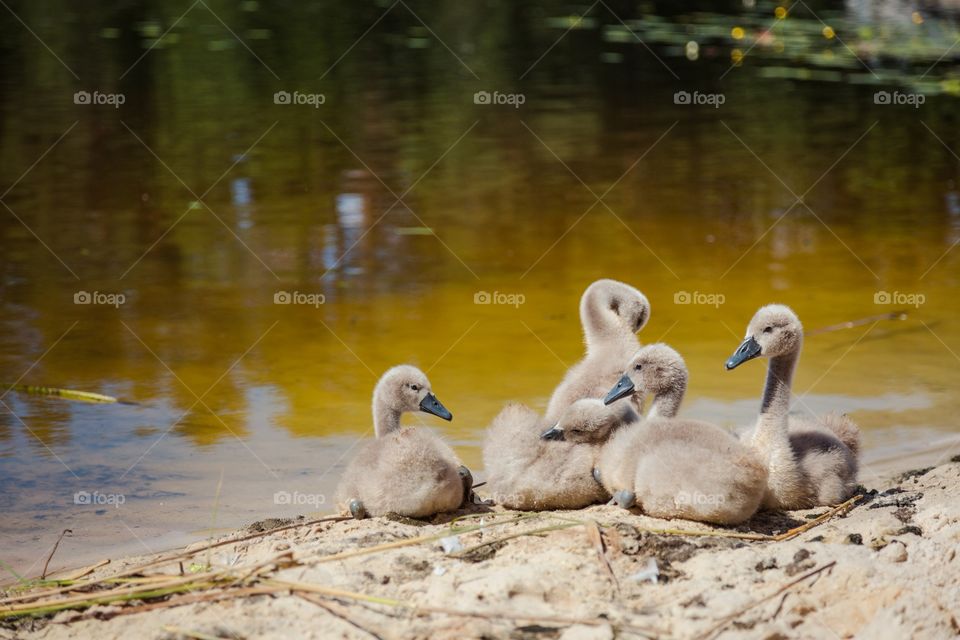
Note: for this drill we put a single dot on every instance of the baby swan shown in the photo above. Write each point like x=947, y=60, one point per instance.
x=532, y=469
x=611, y=314
x=408, y=471
x=810, y=462
x=677, y=468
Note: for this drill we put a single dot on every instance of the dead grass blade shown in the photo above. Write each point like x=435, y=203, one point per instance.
x=717, y=628
x=452, y=531
x=43, y=574
x=339, y=612
x=428, y=610
x=840, y=509
x=159, y=562
x=532, y=532
x=76, y=574
x=190, y=598
x=595, y=536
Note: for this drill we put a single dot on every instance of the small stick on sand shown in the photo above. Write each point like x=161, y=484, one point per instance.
x=337, y=612
x=283, y=559
x=427, y=610
x=532, y=532
x=76, y=574
x=43, y=574
x=595, y=536
x=759, y=537
x=837, y=510
x=712, y=631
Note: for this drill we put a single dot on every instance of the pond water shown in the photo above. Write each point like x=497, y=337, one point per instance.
x=387, y=199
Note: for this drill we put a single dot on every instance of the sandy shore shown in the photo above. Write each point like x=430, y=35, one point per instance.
x=885, y=566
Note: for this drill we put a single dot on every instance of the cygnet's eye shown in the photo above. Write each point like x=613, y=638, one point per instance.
x=768, y=329
x=638, y=367
x=415, y=387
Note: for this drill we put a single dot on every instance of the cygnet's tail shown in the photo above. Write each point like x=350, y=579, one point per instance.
x=845, y=429
x=515, y=420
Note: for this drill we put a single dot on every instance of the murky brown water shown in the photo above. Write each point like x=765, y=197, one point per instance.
x=270, y=397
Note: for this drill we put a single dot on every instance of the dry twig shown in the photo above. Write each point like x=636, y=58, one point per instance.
x=43, y=574
x=595, y=536
x=715, y=629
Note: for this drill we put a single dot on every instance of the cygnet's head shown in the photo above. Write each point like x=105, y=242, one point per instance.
x=629, y=305
x=405, y=388
x=589, y=421
x=654, y=369
x=775, y=330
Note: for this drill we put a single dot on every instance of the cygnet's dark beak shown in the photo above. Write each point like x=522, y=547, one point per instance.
x=623, y=388
x=556, y=433
x=748, y=350
x=430, y=404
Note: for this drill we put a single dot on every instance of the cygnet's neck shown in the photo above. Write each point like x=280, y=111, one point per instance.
x=386, y=417
x=772, y=437
x=666, y=404
x=602, y=328
x=776, y=392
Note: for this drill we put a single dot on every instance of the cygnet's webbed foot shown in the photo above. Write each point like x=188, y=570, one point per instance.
x=624, y=499
x=467, y=478
x=357, y=510
x=596, y=475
